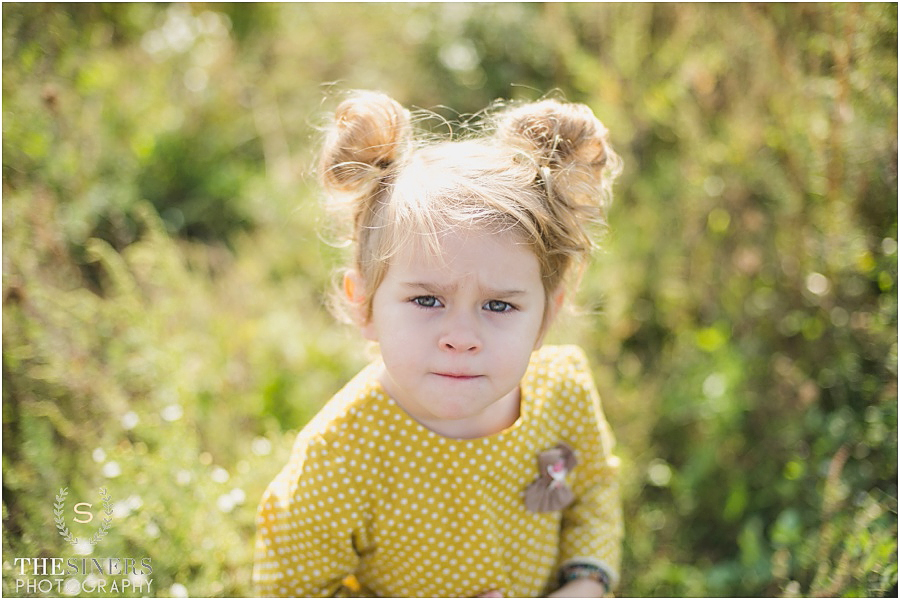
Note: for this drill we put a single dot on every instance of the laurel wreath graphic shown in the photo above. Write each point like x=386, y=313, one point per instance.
x=59, y=507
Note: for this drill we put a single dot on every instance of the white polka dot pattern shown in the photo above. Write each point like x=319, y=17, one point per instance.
x=369, y=492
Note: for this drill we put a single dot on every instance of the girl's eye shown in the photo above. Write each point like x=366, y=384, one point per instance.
x=427, y=301
x=498, y=306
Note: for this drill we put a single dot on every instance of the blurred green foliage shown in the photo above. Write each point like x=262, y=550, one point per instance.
x=164, y=276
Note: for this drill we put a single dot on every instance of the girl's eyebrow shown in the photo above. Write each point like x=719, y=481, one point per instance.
x=438, y=289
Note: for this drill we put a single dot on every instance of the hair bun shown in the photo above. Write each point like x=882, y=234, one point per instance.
x=369, y=135
x=570, y=150
x=557, y=134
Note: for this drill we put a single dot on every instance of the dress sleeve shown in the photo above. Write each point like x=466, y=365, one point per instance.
x=308, y=523
x=592, y=527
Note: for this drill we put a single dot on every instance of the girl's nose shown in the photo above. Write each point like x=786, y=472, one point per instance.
x=460, y=336
x=459, y=344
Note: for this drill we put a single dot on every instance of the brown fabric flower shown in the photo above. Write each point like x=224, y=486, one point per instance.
x=549, y=491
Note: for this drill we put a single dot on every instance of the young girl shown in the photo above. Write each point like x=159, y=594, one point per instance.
x=468, y=460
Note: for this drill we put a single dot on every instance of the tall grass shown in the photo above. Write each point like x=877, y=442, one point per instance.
x=165, y=269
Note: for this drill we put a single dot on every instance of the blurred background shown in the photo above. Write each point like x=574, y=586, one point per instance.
x=164, y=272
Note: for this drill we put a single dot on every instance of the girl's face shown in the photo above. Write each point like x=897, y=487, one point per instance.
x=456, y=332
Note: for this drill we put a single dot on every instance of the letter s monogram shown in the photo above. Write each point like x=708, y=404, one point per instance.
x=83, y=512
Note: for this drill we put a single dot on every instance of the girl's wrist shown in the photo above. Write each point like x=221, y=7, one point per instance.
x=581, y=588
x=584, y=571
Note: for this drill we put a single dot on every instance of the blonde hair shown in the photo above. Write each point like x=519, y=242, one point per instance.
x=543, y=170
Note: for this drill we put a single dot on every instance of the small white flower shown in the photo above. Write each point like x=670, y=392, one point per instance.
x=99, y=455
x=151, y=530
x=178, y=591
x=659, y=473
x=121, y=510
x=130, y=420
x=261, y=446
x=84, y=547
x=183, y=477
x=715, y=386
x=238, y=495
x=219, y=475
x=126, y=507
x=225, y=503
x=171, y=413
x=71, y=587
x=112, y=469
x=137, y=579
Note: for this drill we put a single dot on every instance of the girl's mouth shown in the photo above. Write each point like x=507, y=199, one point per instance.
x=458, y=376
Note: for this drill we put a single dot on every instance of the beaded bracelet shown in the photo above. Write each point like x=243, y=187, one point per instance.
x=584, y=571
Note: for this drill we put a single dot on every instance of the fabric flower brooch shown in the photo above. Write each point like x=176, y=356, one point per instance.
x=549, y=491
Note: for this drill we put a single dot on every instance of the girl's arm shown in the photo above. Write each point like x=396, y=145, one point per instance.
x=592, y=526
x=306, y=527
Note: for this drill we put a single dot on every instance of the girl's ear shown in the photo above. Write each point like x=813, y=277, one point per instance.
x=352, y=283
x=354, y=294
x=555, y=303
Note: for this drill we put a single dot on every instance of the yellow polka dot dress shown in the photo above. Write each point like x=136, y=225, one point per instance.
x=371, y=503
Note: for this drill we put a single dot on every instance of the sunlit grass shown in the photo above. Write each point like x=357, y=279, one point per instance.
x=166, y=268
